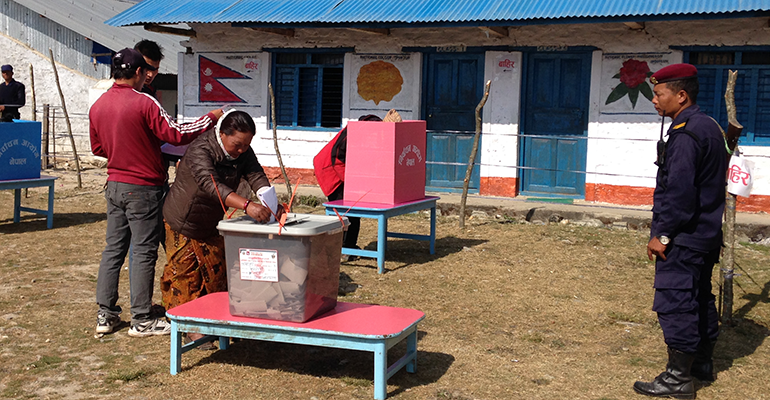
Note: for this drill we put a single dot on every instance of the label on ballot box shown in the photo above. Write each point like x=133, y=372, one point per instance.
x=288, y=273
x=259, y=265
x=20, y=150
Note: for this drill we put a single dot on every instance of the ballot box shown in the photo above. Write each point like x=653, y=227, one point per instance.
x=20, y=149
x=385, y=161
x=289, y=273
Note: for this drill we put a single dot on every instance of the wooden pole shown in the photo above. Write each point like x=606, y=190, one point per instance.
x=46, y=131
x=728, y=261
x=66, y=118
x=34, y=116
x=275, y=142
x=474, y=150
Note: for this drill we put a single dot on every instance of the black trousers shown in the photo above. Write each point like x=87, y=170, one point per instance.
x=350, y=237
x=683, y=300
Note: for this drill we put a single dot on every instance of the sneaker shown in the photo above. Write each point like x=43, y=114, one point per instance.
x=106, y=323
x=153, y=327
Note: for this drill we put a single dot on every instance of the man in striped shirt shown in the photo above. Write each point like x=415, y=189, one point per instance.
x=127, y=127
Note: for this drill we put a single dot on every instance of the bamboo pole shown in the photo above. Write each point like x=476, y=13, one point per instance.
x=66, y=118
x=474, y=150
x=275, y=143
x=728, y=261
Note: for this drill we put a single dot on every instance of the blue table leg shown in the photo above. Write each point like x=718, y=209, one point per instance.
x=411, y=349
x=16, y=205
x=382, y=241
x=224, y=342
x=50, y=205
x=176, y=349
x=433, y=229
x=380, y=371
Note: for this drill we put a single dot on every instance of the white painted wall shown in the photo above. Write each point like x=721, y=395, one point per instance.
x=621, y=147
x=74, y=85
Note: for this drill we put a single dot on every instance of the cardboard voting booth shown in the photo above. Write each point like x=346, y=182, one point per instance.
x=20, y=149
x=385, y=162
x=293, y=276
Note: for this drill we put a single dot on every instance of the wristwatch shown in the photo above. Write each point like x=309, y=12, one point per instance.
x=664, y=240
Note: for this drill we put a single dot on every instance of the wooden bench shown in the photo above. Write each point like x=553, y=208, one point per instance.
x=381, y=212
x=351, y=326
x=17, y=184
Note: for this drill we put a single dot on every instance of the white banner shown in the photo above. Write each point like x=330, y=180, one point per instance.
x=739, y=177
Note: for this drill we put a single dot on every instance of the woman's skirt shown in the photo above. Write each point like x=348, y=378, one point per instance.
x=193, y=268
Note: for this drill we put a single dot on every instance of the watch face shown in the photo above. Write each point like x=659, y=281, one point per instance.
x=664, y=240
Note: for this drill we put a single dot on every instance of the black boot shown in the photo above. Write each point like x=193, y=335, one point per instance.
x=703, y=366
x=675, y=382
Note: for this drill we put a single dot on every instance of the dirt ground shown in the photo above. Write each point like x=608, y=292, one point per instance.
x=513, y=311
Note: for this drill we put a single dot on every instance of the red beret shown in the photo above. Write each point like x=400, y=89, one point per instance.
x=674, y=72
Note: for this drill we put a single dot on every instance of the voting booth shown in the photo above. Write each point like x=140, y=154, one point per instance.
x=289, y=273
x=385, y=161
x=20, y=149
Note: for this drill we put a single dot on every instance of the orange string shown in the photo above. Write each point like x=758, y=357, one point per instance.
x=219, y=195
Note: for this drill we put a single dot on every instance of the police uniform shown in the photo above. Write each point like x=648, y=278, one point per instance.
x=12, y=96
x=688, y=204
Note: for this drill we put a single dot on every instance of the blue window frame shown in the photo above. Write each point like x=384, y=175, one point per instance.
x=752, y=88
x=308, y=88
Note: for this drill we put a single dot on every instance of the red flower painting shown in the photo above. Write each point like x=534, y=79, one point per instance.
x=633, y=80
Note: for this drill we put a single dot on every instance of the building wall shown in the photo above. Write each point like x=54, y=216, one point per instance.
x=75, y=87
x=621, y=136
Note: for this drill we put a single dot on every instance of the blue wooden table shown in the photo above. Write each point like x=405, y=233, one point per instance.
x=381, y=212
x=18, y=184
x=350, y=326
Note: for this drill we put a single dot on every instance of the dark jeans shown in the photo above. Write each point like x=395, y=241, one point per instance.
x=133, y=215
x=683, y=300
x=350, y=237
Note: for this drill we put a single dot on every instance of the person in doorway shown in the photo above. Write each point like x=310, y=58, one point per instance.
x=329, y=169
x=206, y=182
x=153, y=54
x=12, y=95
x=126, y=127
x=686, y=233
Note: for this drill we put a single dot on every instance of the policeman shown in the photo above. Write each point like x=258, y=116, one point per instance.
x=686, y=233
x=12, y=95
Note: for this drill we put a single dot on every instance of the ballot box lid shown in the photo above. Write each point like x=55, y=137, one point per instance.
x=296, y=225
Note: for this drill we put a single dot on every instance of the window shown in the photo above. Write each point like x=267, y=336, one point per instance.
x=752, y=88
x=308, y=89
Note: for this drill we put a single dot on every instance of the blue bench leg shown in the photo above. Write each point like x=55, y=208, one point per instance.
x=16, y=205
x=50, y=205
x=380, y=371
x=382, y=241
x=224, y=342
x=411, y=350
x=176, y=349
x=433, y=230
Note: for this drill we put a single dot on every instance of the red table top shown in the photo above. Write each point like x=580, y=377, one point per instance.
x=351, y=319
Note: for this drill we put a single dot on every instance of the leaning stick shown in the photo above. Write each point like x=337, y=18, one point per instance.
x=66, y=118
x=734, y=129
x=472, y=158
x=275, y=143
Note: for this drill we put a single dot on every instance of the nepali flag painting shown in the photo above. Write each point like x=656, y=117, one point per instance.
x=211, y=90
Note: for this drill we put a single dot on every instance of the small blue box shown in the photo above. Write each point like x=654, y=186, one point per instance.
x=20, y=149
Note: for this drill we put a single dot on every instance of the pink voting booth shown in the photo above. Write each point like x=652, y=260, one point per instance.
x=385, y=162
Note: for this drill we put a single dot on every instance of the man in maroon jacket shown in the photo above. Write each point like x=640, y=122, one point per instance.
x=127, y=127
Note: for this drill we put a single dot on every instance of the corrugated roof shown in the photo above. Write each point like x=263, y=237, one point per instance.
x=87, y=17
x=342, y=12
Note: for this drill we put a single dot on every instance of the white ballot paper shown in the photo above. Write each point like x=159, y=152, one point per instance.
x=267, y=196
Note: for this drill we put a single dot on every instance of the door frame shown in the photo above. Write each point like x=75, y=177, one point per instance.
x=426, y=52
x=587, y=53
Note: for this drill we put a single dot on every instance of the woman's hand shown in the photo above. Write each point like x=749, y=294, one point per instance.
x=279, y=212
x=259, y=212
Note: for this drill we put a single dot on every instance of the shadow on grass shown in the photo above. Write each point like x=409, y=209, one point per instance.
x=742, y=339
x=353, y=367
x=407, y=252
x=36, y=222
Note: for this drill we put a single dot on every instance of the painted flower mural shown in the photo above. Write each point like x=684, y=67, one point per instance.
x=633, y=80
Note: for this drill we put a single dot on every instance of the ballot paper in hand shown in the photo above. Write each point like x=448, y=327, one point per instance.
x=267, y=196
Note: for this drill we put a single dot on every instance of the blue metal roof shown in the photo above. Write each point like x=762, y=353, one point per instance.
x=448, y=12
